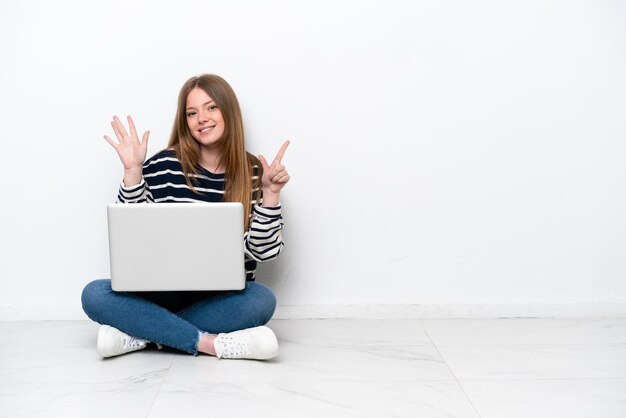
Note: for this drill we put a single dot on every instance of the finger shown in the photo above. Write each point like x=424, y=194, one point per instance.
x=144, y=139
x=110, y=141
x=274, y=169
x=120, y=126
x=131, y=126
x=116, y=131
x=276, y=178
x=264, y=163
x=284, y=179
x=277, y=167
x=281, y=151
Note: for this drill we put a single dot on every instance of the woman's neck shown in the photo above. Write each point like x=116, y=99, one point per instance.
x=209, y=159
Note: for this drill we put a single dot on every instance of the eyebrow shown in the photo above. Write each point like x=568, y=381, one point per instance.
x=203, y=104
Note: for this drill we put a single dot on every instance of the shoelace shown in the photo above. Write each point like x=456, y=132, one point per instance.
x=232, y=348
x=132, y=343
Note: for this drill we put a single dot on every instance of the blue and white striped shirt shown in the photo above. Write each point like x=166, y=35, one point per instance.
x=163, y=181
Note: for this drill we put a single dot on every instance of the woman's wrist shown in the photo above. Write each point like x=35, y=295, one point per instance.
x=132, y=176
x=270, y=199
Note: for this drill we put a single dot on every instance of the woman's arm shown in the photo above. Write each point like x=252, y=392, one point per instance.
x=132, y=153
x=139, y=193
x=264, y=240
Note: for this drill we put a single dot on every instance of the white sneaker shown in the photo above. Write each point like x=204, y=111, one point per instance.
x=257, y=343
x=113, y=342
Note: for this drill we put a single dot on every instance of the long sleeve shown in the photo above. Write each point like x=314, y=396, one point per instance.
x=136, y=194
x=264, y=240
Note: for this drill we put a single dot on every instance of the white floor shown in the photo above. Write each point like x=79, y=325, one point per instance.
x=500, y=368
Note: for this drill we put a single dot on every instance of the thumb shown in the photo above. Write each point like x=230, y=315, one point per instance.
x=264, y=163
x=144, y=140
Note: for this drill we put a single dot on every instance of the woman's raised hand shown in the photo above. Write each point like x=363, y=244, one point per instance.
x=130, y=150
x=275, y=176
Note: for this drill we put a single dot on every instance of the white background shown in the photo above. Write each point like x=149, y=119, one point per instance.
x=442, y=153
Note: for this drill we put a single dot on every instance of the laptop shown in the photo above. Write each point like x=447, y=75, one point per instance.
x=176, y=246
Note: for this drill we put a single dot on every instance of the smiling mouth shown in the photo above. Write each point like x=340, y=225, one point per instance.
x=207, y=129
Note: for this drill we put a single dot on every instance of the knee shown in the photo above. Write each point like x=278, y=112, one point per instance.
x=265, y=301
x=94, y=295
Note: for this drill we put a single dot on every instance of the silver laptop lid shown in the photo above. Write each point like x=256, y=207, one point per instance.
x=176, y=246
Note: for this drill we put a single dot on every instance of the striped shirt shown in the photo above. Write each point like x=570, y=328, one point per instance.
x=163, y=181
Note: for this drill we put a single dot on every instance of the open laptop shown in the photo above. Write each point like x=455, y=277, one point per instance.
x=176, y=246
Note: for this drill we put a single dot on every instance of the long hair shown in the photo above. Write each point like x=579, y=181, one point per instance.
x=233, y=157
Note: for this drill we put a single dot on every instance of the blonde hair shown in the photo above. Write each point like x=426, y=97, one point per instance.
x=238, y=163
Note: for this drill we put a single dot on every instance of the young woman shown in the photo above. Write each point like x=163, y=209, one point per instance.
x=205, y=161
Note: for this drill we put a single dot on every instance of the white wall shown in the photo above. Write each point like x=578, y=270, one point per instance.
x=442, y=153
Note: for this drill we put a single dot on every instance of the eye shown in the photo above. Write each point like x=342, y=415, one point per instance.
x=212, y=107
x=190, y=114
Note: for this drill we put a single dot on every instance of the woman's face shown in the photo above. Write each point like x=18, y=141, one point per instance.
x=204, y=118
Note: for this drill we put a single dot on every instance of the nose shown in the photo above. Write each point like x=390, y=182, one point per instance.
x=203, y=117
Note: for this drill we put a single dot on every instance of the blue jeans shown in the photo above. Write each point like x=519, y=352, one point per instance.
x=177, y=319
